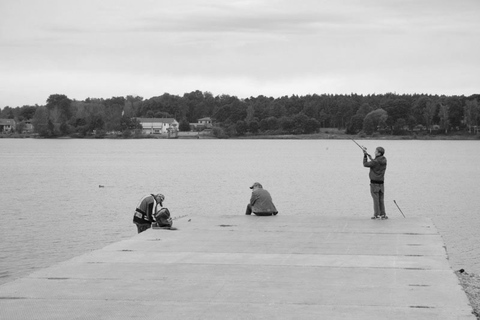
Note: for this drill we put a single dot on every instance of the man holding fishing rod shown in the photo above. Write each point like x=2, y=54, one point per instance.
x=377, y=176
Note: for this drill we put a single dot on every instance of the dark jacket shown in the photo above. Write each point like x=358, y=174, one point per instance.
x=261, y=202
x=377, y=168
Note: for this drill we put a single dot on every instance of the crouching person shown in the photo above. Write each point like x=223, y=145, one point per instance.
x=162, y=219
x=143, y=216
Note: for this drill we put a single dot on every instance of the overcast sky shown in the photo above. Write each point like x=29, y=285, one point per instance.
x=105, y=48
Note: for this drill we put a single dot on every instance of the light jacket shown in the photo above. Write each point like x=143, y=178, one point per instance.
x=144, y=210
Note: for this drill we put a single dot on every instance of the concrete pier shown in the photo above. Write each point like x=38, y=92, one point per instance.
x=249, y=267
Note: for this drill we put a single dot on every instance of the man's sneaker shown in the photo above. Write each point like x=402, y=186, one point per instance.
x=384, y=217
x=374, y=217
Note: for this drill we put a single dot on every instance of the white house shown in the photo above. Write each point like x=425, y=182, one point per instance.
x=207, y=122
x=7, y=125
x=158, y=125
x=203, y=123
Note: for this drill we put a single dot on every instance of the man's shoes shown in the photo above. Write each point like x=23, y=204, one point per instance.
x=374, y=217
x=384, y=217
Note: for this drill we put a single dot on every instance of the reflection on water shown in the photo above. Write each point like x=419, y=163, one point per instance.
x=53, y=208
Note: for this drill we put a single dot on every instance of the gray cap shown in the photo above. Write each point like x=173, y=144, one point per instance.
x=256, y=184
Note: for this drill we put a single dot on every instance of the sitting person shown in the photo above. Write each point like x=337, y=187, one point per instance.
x=261, y=202
x=162, y=219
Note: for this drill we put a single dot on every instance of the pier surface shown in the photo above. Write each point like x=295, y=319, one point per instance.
x=249, y=267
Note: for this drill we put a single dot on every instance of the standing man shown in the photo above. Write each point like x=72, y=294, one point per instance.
x=146, y=207
x=377, y=176
x=261, y=202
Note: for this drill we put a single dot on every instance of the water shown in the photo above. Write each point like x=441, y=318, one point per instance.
x=52, y=207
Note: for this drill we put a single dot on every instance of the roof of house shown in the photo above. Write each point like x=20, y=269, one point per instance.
x=205, y=119
x=7, y=122
x=159, y=120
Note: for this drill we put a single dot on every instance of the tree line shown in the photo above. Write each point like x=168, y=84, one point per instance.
x=390, y=113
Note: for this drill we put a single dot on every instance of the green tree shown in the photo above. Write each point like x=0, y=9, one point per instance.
x=444, y=116
x=184, y=125
x=27, y=112
x=241, y=127
x=287, y=124
x=299, y=123
x=250, y=114
x=373, y=120
x=418, y=109
x=368, y=125
x=397, y=109
x=253, y=126
x=355, y=125
x=471, y=113
x=429, y=113
x=40, y=121
x=59, y=107
x=273, y=123
x=311, y=126
x=455, y=106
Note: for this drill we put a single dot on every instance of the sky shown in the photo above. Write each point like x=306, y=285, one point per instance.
x=245, y=48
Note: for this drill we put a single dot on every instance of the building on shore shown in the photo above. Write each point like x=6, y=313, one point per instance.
x=159, y=126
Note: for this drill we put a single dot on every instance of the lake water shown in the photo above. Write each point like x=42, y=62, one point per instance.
x=52, y=208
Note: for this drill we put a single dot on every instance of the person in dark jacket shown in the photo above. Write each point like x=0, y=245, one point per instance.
x=163, y=219
x=146, y=207
x=261, y=203
x=377, y=176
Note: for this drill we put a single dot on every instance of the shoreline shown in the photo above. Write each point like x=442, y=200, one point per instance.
x=338, y=135
x=313, y=136
x=470, y=283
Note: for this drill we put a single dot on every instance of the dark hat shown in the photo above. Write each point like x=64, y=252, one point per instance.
x=256, y=184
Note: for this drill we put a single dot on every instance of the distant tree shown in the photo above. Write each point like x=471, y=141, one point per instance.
x=64, y=129
x=253, y=126
x=471, y=112
x=263, y=125
x=277, y=110
x=250, y=114
x=218, y=132
x=20, y=126
x=162, y=115
x=126, y=133
x=444, y=116
x=184, y=125
x=50, y=129
x=355, y=125
x=287, y=124
x=429, y=113
x=241, y=127
x=397, y=109
x=373, y=120
x=7, y=113
x=399, y=126
x=272, y=123
x=368, y=125
x=299, y=123
x=59, y=107
x=40, y=121
x=27, y=112
x=364, y=109
x=130, y=124
x=311, y=126
x=418, y=109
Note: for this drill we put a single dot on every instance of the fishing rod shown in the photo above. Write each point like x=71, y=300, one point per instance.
x=178, y=217
x=363, y=149
x=399, y=208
